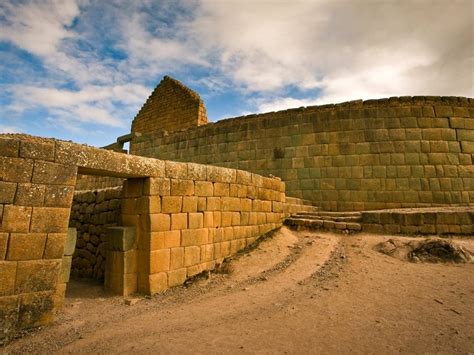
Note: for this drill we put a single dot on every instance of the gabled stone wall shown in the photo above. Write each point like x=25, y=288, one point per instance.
x=171, y=107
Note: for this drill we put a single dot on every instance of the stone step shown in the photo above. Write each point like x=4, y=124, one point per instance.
x=330, y=214
x=320, y=224
x=296, y=208
x=327, y=218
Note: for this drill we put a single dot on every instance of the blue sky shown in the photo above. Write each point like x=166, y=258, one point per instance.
x=81, y=69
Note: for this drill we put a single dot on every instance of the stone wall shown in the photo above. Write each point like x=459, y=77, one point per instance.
x=91, y=182
x=183, y=218
x=193, y=217
x=93, y=212
x=375, y=154
x=170, y=107
x=36, y=191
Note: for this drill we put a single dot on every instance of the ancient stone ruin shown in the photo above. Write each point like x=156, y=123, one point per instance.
x=192, y=193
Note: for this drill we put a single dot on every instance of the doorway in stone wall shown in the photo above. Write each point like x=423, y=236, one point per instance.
x=95, y=208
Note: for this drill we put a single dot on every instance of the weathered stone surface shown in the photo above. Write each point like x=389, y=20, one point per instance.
x=65, y=269
x=30, y=195
x=9, y=147
x=9, y=309
x=3, y=245
x=26, y=246
x=49, y=220
x=54, y=174
x=36, y=275
x=7, y=278
x=55, y=246
x=70, y=243
x=7, y=192
x=121, y=238
x=41, y=150
x=176, y=277
x=16, y=219
x=159, y=260
x=158, y=282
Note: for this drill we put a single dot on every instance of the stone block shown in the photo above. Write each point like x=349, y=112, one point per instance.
x=7, y=192
x=7, y=278
x=204, y=188
x=179, y=221
x=171, y=239
x=37, y=150
x=213, y=203
x=177, y=277
x=176, y=258
x=16, y=169
x=54, y=174
x=9, y=307
x=208, y=220
x=197, y=171
x=59, y=296
x=31, y=195
x=158, y=282
x=65, y=269
x=160, y=222
x=171, y=204
x=176, y=170
x=221, y=175
x=16, y=219
x=133, y=187
x=159, y=260
x=195, y=270
x=443, y=111
x=191, y=237
x=36, y=309
x=202, y=204
x=157, y=241
x=121, y=284
x=70, y=243
x=196, y=220
x=9, y=147
x=49, y=220
x=190, y=203
x=157, y=186
x=207, y=252
x=55, y=246
x=121, y=262
x=3, y=245
x=467, y=147
x=37, y=275
x=182, y=187
x=26, y=246
x=243, y=177
x=221, y=189
x=192, y=255
x=121, y=238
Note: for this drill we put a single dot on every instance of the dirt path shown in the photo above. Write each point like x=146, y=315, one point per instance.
x=296, y=293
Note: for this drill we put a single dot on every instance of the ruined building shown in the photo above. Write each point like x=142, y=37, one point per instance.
x=191, y=192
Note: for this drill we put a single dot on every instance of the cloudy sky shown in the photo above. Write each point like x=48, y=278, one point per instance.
x=81, y=69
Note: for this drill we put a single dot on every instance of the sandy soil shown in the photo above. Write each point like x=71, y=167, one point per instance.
x=297, y=292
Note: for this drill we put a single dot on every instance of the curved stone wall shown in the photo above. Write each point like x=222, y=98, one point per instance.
x=359, y=155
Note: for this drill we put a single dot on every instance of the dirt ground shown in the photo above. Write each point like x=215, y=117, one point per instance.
x=297, y=292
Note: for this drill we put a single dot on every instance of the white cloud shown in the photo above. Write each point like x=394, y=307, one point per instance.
x=9, y=129
x=277, y=51
x=38, y=26
x=91, y=104
x=349, y=49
